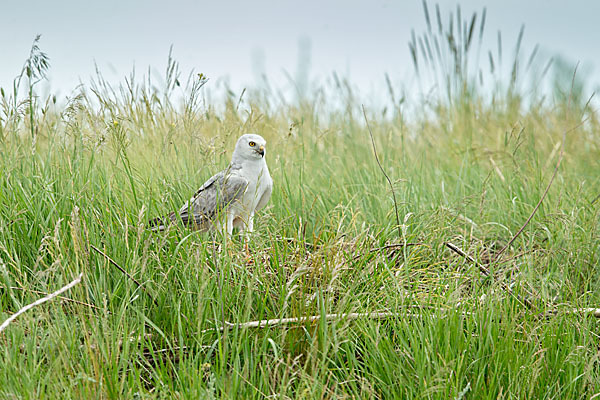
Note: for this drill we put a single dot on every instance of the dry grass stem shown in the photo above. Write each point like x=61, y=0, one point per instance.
x=113, y=262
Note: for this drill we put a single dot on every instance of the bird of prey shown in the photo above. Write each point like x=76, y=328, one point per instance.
x=231, y=197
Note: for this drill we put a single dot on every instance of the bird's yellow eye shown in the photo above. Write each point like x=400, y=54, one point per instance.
x=252, y=144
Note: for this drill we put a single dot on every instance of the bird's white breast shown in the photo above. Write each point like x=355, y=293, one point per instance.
x=259, y=181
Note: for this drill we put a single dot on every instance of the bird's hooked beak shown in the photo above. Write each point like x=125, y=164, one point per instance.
x=261, y=151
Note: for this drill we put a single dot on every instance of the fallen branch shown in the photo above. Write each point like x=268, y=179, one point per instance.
x=328, y=317
x=113, y=262
x=60, y=297
x=40, y=301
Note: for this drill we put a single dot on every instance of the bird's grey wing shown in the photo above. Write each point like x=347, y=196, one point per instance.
x=212, y=198
x=184, y=210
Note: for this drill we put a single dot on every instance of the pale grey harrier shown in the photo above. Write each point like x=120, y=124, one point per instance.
x=230, y=198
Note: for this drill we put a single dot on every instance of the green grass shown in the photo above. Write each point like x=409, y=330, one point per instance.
x=95, y=170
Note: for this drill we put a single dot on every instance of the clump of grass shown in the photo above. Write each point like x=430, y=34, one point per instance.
x=328, y=243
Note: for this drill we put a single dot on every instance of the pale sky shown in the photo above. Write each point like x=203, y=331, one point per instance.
x=359, y=39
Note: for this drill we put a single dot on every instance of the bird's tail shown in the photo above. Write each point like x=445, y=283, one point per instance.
x=159, y=224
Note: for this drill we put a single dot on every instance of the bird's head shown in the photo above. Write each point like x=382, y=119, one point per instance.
x=249, y=147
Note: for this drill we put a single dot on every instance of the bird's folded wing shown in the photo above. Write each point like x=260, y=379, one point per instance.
x=212, y=199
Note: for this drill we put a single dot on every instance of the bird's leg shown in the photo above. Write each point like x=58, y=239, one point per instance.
x=230, y=218
x=250, y=224
x=227, y=228
x=247, y=232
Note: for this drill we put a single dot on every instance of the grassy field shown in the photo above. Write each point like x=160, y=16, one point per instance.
x=468, y=170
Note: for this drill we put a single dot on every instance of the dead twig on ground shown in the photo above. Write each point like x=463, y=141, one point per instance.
x=286, y=321
x=264, y=323
x=60, y=297
x=40, y=301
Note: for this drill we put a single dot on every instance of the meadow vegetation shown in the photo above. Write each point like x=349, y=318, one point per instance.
x=468, y=164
